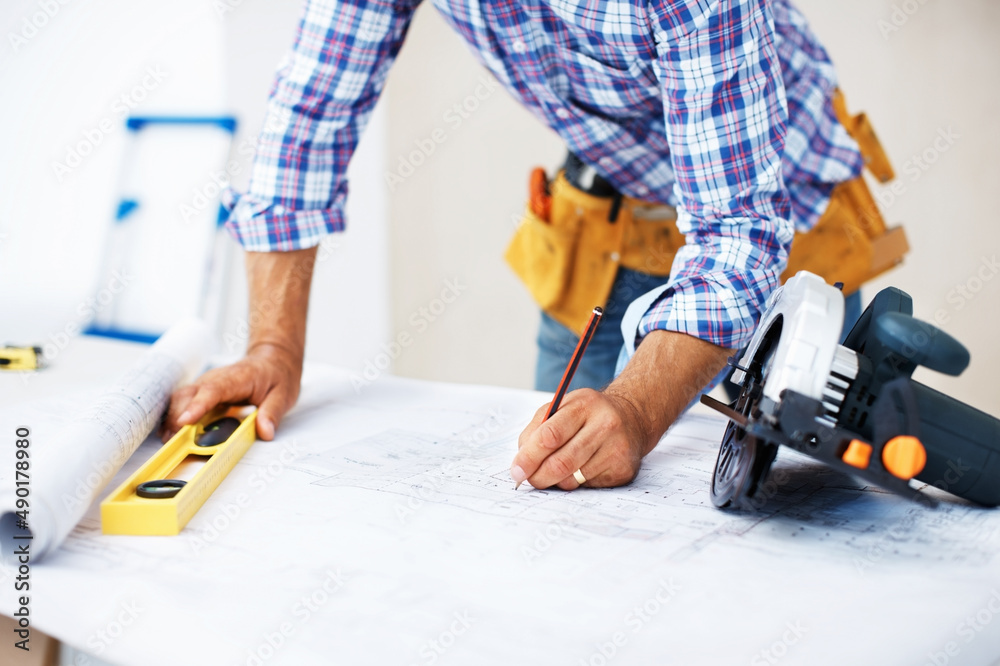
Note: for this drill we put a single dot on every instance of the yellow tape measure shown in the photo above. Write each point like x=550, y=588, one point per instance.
x=166, y=492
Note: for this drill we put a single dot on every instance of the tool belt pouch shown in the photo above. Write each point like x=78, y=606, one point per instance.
x=542, y=255
x=570, y=262
x=851, y=242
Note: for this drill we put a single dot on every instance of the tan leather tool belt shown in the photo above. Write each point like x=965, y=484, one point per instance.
x=569, y=261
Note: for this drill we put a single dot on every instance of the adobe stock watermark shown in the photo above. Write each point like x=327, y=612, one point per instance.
x=965, y=292
x=899, y=16
x=433, y=648
x=420, y=320
x=100, y=472
x=453, y=118
x=302, y=611
x=228, y=513
x=270, y=306
x=768, y=488
x=206, y=195
x=635, y=621
x=905, y=528
x=94, y=136
x=427, y=490
x=464, y=447
x=545, y=538
x=918, y=165
x=80, y=659
x=103, y=638
x=773, y=653
x=86, y=311
x=33, y=23
x=967, y=630
x=223, y=7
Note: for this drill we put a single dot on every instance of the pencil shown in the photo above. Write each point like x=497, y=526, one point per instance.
x=574, y=361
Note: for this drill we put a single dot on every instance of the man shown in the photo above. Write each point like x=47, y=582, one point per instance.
x=671, y=101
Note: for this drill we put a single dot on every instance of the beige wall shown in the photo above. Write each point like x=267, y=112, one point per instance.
x=452, y=217
x=938, y=71
x=350, y=275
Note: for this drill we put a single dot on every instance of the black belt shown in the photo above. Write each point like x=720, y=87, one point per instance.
x=586, y=179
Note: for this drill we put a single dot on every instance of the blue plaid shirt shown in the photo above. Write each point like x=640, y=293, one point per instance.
x=722, y=109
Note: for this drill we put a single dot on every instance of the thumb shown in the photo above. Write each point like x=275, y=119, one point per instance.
x=270, y=412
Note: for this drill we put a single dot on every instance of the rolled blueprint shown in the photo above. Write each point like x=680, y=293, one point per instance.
x=70, y=471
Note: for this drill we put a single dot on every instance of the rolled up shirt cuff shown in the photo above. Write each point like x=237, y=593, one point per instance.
x=718, y=289
x=262, y=225
x=713, y=308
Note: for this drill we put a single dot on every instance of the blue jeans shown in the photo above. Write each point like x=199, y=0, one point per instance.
x=597, y=368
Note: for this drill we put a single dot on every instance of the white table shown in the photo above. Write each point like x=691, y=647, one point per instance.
x=381, y=527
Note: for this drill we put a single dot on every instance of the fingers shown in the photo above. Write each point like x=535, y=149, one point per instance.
x=268, y=380
x=178, y=403
x=591, y=433
x=230, y=385
x=210, y=393
x=589, y=467
x=610, y=467
x=558, y=468
x=539, y=440
x=271, y=410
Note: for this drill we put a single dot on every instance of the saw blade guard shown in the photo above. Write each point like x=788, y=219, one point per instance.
x=810, y=314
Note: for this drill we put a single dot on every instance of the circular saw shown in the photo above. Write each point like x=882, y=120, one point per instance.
x=853, y=406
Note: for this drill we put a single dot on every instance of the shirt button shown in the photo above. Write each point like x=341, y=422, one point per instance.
x=606, y=162
x=562, y=113
x=279, y=210
x=519, y=46
x=641, y=190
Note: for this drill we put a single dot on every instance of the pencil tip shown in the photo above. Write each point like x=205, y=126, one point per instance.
x=518, y=485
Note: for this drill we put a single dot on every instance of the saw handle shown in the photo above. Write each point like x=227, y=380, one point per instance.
x=921, y=343
x=962, y=443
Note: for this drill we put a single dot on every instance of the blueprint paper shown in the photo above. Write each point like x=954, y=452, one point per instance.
x=383, y=528
x=69, y=471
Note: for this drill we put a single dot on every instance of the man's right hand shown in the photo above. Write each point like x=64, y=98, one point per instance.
x=269, y=375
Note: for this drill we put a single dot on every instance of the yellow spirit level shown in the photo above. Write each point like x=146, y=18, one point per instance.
x=21, y=358
x=166, y=492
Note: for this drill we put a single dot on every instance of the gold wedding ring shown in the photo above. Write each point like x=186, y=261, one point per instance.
x=580, y=478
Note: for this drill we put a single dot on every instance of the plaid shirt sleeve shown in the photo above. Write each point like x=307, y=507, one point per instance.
x=726, y=119
x=319, y=105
